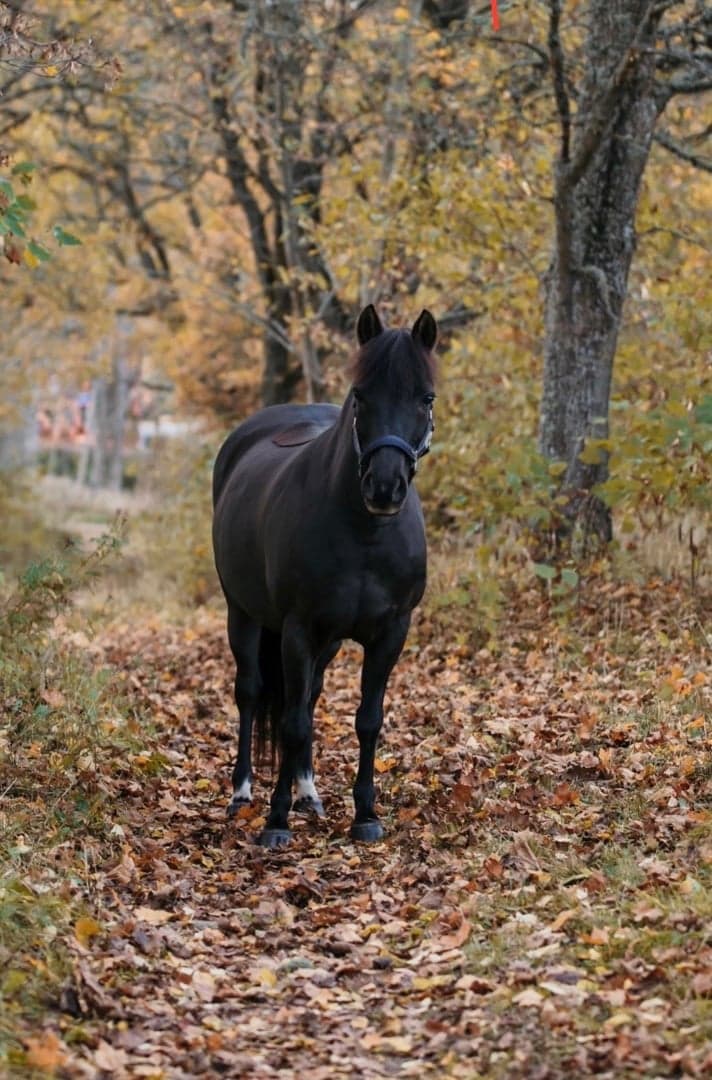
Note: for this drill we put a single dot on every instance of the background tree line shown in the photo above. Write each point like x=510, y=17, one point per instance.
x=244, y=176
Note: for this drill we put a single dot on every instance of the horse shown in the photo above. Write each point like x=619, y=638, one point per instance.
x=318, y=535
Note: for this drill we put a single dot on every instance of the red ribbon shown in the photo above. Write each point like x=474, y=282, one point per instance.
x=495, y=15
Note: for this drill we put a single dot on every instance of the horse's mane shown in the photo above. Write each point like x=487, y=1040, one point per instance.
x=398, y=358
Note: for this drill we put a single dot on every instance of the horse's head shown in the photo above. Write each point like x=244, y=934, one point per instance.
x=393, y=407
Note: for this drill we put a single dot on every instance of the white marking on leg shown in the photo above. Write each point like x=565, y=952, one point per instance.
x=306, y=788
x=244, y=791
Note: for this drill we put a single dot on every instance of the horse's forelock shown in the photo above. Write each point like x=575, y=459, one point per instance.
x=396, y=357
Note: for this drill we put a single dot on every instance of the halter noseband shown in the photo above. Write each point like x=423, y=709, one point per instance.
x=413, y=453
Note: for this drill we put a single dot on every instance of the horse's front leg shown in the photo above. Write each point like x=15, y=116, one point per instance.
x=307, y=800
x=379, y=659
x=295, y=729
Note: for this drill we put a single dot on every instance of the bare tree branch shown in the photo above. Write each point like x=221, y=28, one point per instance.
x=504, y=39
x=666, y=140
x=556, y=57
x=690, y=85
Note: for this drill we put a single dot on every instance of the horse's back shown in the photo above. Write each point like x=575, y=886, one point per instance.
x=264, y=426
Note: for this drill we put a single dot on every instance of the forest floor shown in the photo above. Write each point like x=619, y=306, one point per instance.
x=541, y=905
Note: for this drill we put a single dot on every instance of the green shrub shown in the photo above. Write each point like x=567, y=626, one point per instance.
x=24, y=532
x=64, y=728
x=173, y=536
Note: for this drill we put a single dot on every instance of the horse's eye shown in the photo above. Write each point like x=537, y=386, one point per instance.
x=428, y=399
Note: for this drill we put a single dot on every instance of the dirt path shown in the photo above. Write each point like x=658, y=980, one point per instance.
x=491, y=934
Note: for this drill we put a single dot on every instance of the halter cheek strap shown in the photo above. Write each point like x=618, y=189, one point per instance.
x=413, y=453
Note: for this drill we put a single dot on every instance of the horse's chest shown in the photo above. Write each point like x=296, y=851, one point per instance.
x=368, y=592
x=385, y=582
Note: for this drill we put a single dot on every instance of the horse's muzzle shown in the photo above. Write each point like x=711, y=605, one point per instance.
x=384, y=498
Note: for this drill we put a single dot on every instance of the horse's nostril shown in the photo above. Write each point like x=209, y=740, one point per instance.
x=384, y=494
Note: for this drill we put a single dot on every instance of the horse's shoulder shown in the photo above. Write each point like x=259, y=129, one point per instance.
x=283, y=425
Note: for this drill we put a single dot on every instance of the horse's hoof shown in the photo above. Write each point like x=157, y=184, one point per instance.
x=236, y=803
x=307, y=804
x=273, y=838
x=366, y=831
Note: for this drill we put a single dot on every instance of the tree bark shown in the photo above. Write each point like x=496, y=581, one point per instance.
x=597, y=181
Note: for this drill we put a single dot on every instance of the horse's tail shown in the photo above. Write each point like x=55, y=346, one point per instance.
x=270, y=703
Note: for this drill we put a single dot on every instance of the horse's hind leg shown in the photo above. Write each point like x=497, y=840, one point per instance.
x=244, y=637
x=307, y=800
x=298, y=666
x=378, y=661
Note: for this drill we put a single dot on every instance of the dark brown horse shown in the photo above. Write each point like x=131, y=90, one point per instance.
x=318, y=536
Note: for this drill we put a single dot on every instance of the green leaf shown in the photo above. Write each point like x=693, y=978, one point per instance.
x=703, y=412
x=63, y=238
x=23, y=168
x=38, y=251
x=6, y=188
x=569, y=577
x=543, y=570
x=25, y=202
x=14, y=223
x=13, y=980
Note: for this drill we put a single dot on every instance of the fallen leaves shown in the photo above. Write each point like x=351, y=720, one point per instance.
x=457, y=939
x=529, y=998
x=397, y=1044
x=152, y=916
x=540, y=896
x=85, y=929
x=599, y=935
x=204, y=985
x=46, y=1052
x=109, y=1058
x=562, y=918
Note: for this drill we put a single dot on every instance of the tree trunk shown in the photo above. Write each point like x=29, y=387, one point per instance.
x=117, y=420
x=279, y=374
x=19, y=444
x=596, y=193
x=90, y=437
x=275, y=169
x=100, y=415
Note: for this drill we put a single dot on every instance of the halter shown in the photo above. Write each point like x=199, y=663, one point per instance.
x=413, y=453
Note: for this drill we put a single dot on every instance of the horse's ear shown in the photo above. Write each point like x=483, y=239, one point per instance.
x=425, y=329
x=369, y=325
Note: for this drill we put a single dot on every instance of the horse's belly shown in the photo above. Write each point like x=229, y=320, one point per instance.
x=240, y=553
x=243, y=579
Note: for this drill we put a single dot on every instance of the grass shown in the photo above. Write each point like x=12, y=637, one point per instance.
x=65, y=725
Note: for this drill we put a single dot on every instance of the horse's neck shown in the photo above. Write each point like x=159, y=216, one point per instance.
x=342, y=466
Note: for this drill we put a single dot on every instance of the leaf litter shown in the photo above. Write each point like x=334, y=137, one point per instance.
x=541, y=903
